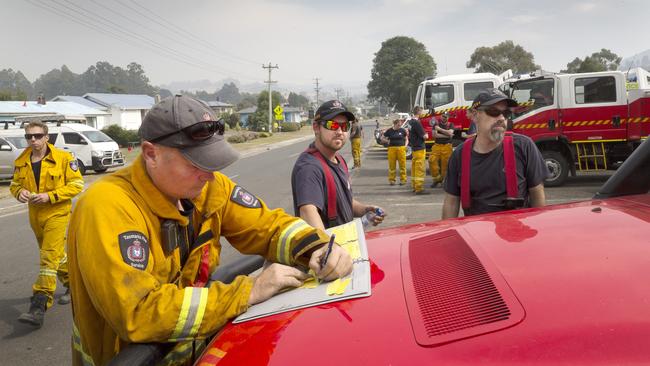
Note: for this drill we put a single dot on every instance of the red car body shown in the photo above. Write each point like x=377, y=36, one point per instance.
x=559, y=285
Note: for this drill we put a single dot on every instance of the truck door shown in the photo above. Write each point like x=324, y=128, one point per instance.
x=537, y=115
x=596, y=108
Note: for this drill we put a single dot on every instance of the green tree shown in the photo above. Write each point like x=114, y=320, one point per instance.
x=229, y=93
x=106, y=78
x=506, y=55
x=14, y=85
x=598, y=61
x=247, y=100
x=297, y=100
x=259, y=121
x=398, y=67
x=58, y=82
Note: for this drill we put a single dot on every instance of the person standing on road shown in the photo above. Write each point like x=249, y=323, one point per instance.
x=144, y=241
x=321, y=167
x=417, y=136
x=443, y=133
x=356, y=134
x=47, y=179
x=500, y=171
x=396, y=152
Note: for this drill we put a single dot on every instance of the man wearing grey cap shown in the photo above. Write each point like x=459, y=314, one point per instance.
x=496, y=170
x=144, y=241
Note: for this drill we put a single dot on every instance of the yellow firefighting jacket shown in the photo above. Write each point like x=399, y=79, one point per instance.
x=60, y=179
x=125, y=288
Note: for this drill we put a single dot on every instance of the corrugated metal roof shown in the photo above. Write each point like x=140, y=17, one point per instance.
x=124, y=101
x=216, y=103
x=80, y=100
x=64, y=108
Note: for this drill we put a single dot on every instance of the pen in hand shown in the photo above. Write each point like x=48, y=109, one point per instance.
x=323, y=260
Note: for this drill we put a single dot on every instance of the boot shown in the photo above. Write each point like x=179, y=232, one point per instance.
x=36, y=314
x=65, y=298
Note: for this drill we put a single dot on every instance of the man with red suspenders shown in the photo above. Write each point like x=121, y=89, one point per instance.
x=495, y=170
x=322, y=195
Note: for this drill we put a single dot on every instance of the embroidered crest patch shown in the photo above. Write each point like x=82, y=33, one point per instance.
x=74, y=166
x=243, y=197
x=134, y=247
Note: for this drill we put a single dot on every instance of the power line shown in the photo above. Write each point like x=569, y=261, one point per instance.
x=174, y=28
x=115, y=31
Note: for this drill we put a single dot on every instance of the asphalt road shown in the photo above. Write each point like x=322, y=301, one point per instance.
x=266, y=173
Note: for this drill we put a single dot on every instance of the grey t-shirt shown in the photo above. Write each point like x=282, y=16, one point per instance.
x=309, y=186
x=488, y=178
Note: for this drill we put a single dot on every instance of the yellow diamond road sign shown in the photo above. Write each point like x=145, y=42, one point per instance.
x=278, y=110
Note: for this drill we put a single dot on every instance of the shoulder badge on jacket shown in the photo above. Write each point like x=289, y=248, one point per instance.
x=134, y=247
x=244, y=198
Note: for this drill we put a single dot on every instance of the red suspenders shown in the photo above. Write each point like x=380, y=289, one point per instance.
x=332, y=213
x=512, y=190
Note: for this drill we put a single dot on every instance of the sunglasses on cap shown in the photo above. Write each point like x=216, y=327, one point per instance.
x=38, y=136
x=335, y=125
x=198, y=131
x=496, y=112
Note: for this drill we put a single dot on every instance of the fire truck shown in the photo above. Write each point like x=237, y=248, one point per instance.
x=580, y=122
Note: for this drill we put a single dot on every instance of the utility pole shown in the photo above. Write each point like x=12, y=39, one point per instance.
x=317, y=91
x=338, y=93
x=270, y=82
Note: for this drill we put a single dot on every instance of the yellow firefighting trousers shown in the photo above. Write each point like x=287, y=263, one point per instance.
x=397, y=154
x=438, y=160
x=356, y=151
x=417, y=169
x=49, y=230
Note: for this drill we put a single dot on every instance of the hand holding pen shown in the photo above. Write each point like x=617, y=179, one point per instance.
x=331, y=261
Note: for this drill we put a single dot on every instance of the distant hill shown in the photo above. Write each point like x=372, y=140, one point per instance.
x=639, y=60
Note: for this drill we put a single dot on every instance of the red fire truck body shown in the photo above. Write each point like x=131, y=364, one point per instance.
x=580, y=122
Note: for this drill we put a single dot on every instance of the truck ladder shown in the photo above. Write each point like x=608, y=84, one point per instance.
x=591, y=155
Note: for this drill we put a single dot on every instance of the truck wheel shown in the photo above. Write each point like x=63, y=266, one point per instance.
x=557, y=167
x=101, y=170
x=82, y=167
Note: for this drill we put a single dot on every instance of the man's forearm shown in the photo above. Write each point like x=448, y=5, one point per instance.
x=537, y=196
x=450, y=207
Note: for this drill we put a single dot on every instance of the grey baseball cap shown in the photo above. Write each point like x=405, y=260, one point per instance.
x=492, y=96
x=164, y=125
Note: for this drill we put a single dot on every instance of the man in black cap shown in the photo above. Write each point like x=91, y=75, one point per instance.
x=322, y=194
x=144, y=241
x=495, y=170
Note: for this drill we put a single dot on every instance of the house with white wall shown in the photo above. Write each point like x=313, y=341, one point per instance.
x=124, y=110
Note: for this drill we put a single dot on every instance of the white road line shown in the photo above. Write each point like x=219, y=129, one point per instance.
x=234, y=176
x=296, y=154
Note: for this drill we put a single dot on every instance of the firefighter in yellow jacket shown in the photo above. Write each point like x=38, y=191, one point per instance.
x=47, y=179
x=144, y=241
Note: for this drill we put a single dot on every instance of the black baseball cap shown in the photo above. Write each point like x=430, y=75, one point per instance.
x=172, y=115
x=492, y=96
x=331, y=109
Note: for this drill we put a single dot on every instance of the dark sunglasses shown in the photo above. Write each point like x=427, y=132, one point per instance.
x=38, y=136
x=198, y=131
x=335, y=125
x=496, y=112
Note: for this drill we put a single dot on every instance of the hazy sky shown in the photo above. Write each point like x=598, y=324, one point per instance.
x=334, y=40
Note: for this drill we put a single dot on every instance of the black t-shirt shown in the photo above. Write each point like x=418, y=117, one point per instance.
x=309, y=186
x=396, y=137
x=355, y=130
x=488, y=178
x=445, y=126
x=416, y=137
x=36, y=168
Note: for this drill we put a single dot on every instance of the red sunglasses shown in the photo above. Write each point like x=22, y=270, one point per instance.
x=335, y=125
